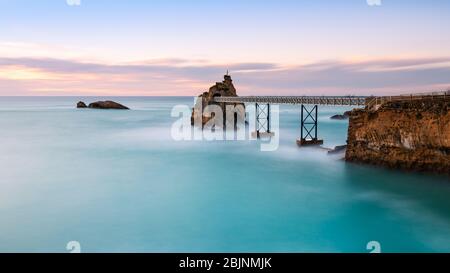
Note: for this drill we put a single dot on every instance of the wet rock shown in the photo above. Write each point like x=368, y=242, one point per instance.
x=338, y=150
x=345, y=116
x=107, y=105
x=81, y=104
x=339, y=117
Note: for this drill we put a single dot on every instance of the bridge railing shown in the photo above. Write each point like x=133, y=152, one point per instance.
x=373, y=103
x=318, y=100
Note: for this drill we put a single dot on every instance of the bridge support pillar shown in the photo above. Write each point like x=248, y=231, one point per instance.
x=263, y=121
x=308, y=131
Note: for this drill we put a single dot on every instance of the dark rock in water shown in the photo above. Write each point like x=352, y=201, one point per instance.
x=339, y=117
x=338, y=150
x=345, y=116
x=107, y=105
x=81, y=105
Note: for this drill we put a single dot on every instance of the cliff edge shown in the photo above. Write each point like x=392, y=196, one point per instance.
x=410, y=135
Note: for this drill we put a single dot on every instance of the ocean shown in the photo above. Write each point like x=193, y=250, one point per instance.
x=116, y=181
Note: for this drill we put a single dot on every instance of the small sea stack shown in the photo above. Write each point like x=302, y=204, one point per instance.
x=345, y=116
x=81, y=104
x=220, y=89
x=105, y=105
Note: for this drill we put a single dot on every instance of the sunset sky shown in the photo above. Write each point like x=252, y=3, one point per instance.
x=180, y=48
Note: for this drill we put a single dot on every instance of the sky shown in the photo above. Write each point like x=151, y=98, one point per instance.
x=181, y=48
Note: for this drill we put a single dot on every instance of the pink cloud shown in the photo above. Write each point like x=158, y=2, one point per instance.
x=178, y=77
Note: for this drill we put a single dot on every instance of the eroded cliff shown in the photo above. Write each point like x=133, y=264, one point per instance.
x=402, y=135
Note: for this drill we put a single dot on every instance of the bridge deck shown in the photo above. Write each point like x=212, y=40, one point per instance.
x=370, y=102
x=317, y=100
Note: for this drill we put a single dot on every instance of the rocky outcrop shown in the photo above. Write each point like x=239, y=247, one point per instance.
x=220, y=89
x=402, y=135
x=108, y=105
x=345, y=116
x=338, y=150
x=81, y=104
x=103, y=105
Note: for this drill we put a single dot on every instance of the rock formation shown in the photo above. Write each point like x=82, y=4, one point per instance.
x=81, y=104
x=108, y=105
x=103, y=105
x=338, y=150
x=345, y=116
x=402, y=135
x=220, y=89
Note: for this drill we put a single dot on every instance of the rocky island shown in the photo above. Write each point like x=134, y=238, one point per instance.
x=220, y=89
x=410, y=135
x=103, y=105
x=81, y=104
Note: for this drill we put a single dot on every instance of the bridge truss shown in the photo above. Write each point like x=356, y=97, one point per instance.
x=309, y=124
x=309, y=116
x=316, y=100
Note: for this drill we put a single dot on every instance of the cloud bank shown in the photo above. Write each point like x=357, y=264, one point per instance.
x=179, y=77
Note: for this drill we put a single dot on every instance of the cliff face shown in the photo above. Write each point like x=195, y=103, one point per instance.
x=220, y=89
x=402, y=135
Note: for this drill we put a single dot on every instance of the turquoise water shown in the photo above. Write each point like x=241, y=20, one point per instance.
x=115, y=181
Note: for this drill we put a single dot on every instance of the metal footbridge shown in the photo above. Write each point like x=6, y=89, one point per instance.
x=316, y=100
x=309, y=115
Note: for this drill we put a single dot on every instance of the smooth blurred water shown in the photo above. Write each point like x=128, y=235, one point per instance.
x=115, y=181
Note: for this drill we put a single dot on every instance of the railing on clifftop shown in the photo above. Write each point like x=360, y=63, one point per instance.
x=374, y=103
